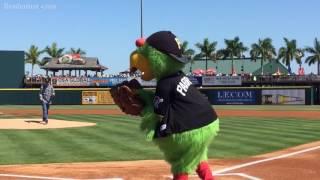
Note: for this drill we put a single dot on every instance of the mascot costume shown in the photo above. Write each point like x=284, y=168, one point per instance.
x=176, y=117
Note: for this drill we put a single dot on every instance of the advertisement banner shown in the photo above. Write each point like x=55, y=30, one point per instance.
x=223, y=97
x=196, y=81
x=70, y=81
x=96, y=97
x=105, y=81
x=283, y=96
x=221, y=80
x=96, y=81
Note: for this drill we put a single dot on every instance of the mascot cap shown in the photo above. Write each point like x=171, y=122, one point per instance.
x=167, y=43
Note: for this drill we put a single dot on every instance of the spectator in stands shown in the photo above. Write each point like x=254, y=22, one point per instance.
x=46, y=95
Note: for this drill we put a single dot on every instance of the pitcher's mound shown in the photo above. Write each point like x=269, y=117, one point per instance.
x=38, y=124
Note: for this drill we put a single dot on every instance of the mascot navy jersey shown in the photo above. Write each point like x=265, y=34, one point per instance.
x=181, y=106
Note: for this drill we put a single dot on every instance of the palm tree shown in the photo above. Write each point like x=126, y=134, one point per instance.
x=32, y=56
x=53, y=51
x=218, y=56
x=315, y=54
x=207, y=49
x=263, y=50
x=77, y=51
x=234, y=49
x=288, y=52
x=299, y=55
x=242, y=50
x=188, y=52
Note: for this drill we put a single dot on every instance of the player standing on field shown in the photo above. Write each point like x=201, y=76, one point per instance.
x=46, y=94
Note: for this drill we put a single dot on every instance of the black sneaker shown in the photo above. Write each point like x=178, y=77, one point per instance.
x=45, y=122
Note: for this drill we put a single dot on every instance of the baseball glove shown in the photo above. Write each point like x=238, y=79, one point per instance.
x=125, y=96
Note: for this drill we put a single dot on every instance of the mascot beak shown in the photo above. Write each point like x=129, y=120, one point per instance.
x=139, y=62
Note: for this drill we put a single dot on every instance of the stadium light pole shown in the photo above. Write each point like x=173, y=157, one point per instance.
x=141, y=20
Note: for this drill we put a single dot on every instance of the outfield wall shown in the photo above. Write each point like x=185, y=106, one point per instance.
x=11, y=69
x=216, y=95
x=302, y=95
x=31, y=96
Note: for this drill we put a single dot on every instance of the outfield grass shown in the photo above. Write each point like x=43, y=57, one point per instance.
x=118, y=138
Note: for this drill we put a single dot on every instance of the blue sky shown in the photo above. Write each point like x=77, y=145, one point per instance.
x=107, y=29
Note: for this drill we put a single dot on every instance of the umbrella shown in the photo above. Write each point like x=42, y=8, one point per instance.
x=301, y=71
x=211, y=71
x=234, y=72
x=198, y=72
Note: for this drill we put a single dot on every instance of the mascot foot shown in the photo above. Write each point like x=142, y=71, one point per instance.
x=204, y=171
x=181, y=176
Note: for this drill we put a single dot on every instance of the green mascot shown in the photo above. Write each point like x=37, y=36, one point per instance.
x=176, y=117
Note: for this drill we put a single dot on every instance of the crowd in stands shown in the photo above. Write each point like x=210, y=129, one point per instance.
x=38, y=79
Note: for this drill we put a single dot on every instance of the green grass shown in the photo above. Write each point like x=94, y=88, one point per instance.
x=118, y=138
x=242, y=137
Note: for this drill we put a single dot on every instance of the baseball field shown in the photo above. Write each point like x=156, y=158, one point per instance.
x=100, y=142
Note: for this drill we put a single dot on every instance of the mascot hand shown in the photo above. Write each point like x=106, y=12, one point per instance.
x=126, y=97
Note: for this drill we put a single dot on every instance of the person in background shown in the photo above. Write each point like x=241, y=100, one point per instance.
x=46, y=95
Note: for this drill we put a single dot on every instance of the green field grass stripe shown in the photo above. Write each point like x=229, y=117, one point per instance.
x=117, y=120
x=271, y=130
x=121, y=119
x=270, y=135
x=9, y=148
x=59, y=117
x=57, y=152
x=283, y=124
x=99, y=118
x=27, y=145
x=265, y=138
x=117, y=140
x=80, y=144
x=252, y=136
x=274, y=128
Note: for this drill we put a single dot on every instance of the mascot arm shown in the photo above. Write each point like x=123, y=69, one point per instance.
x=149, y=118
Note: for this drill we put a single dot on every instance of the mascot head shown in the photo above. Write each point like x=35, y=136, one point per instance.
x=158, y=56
